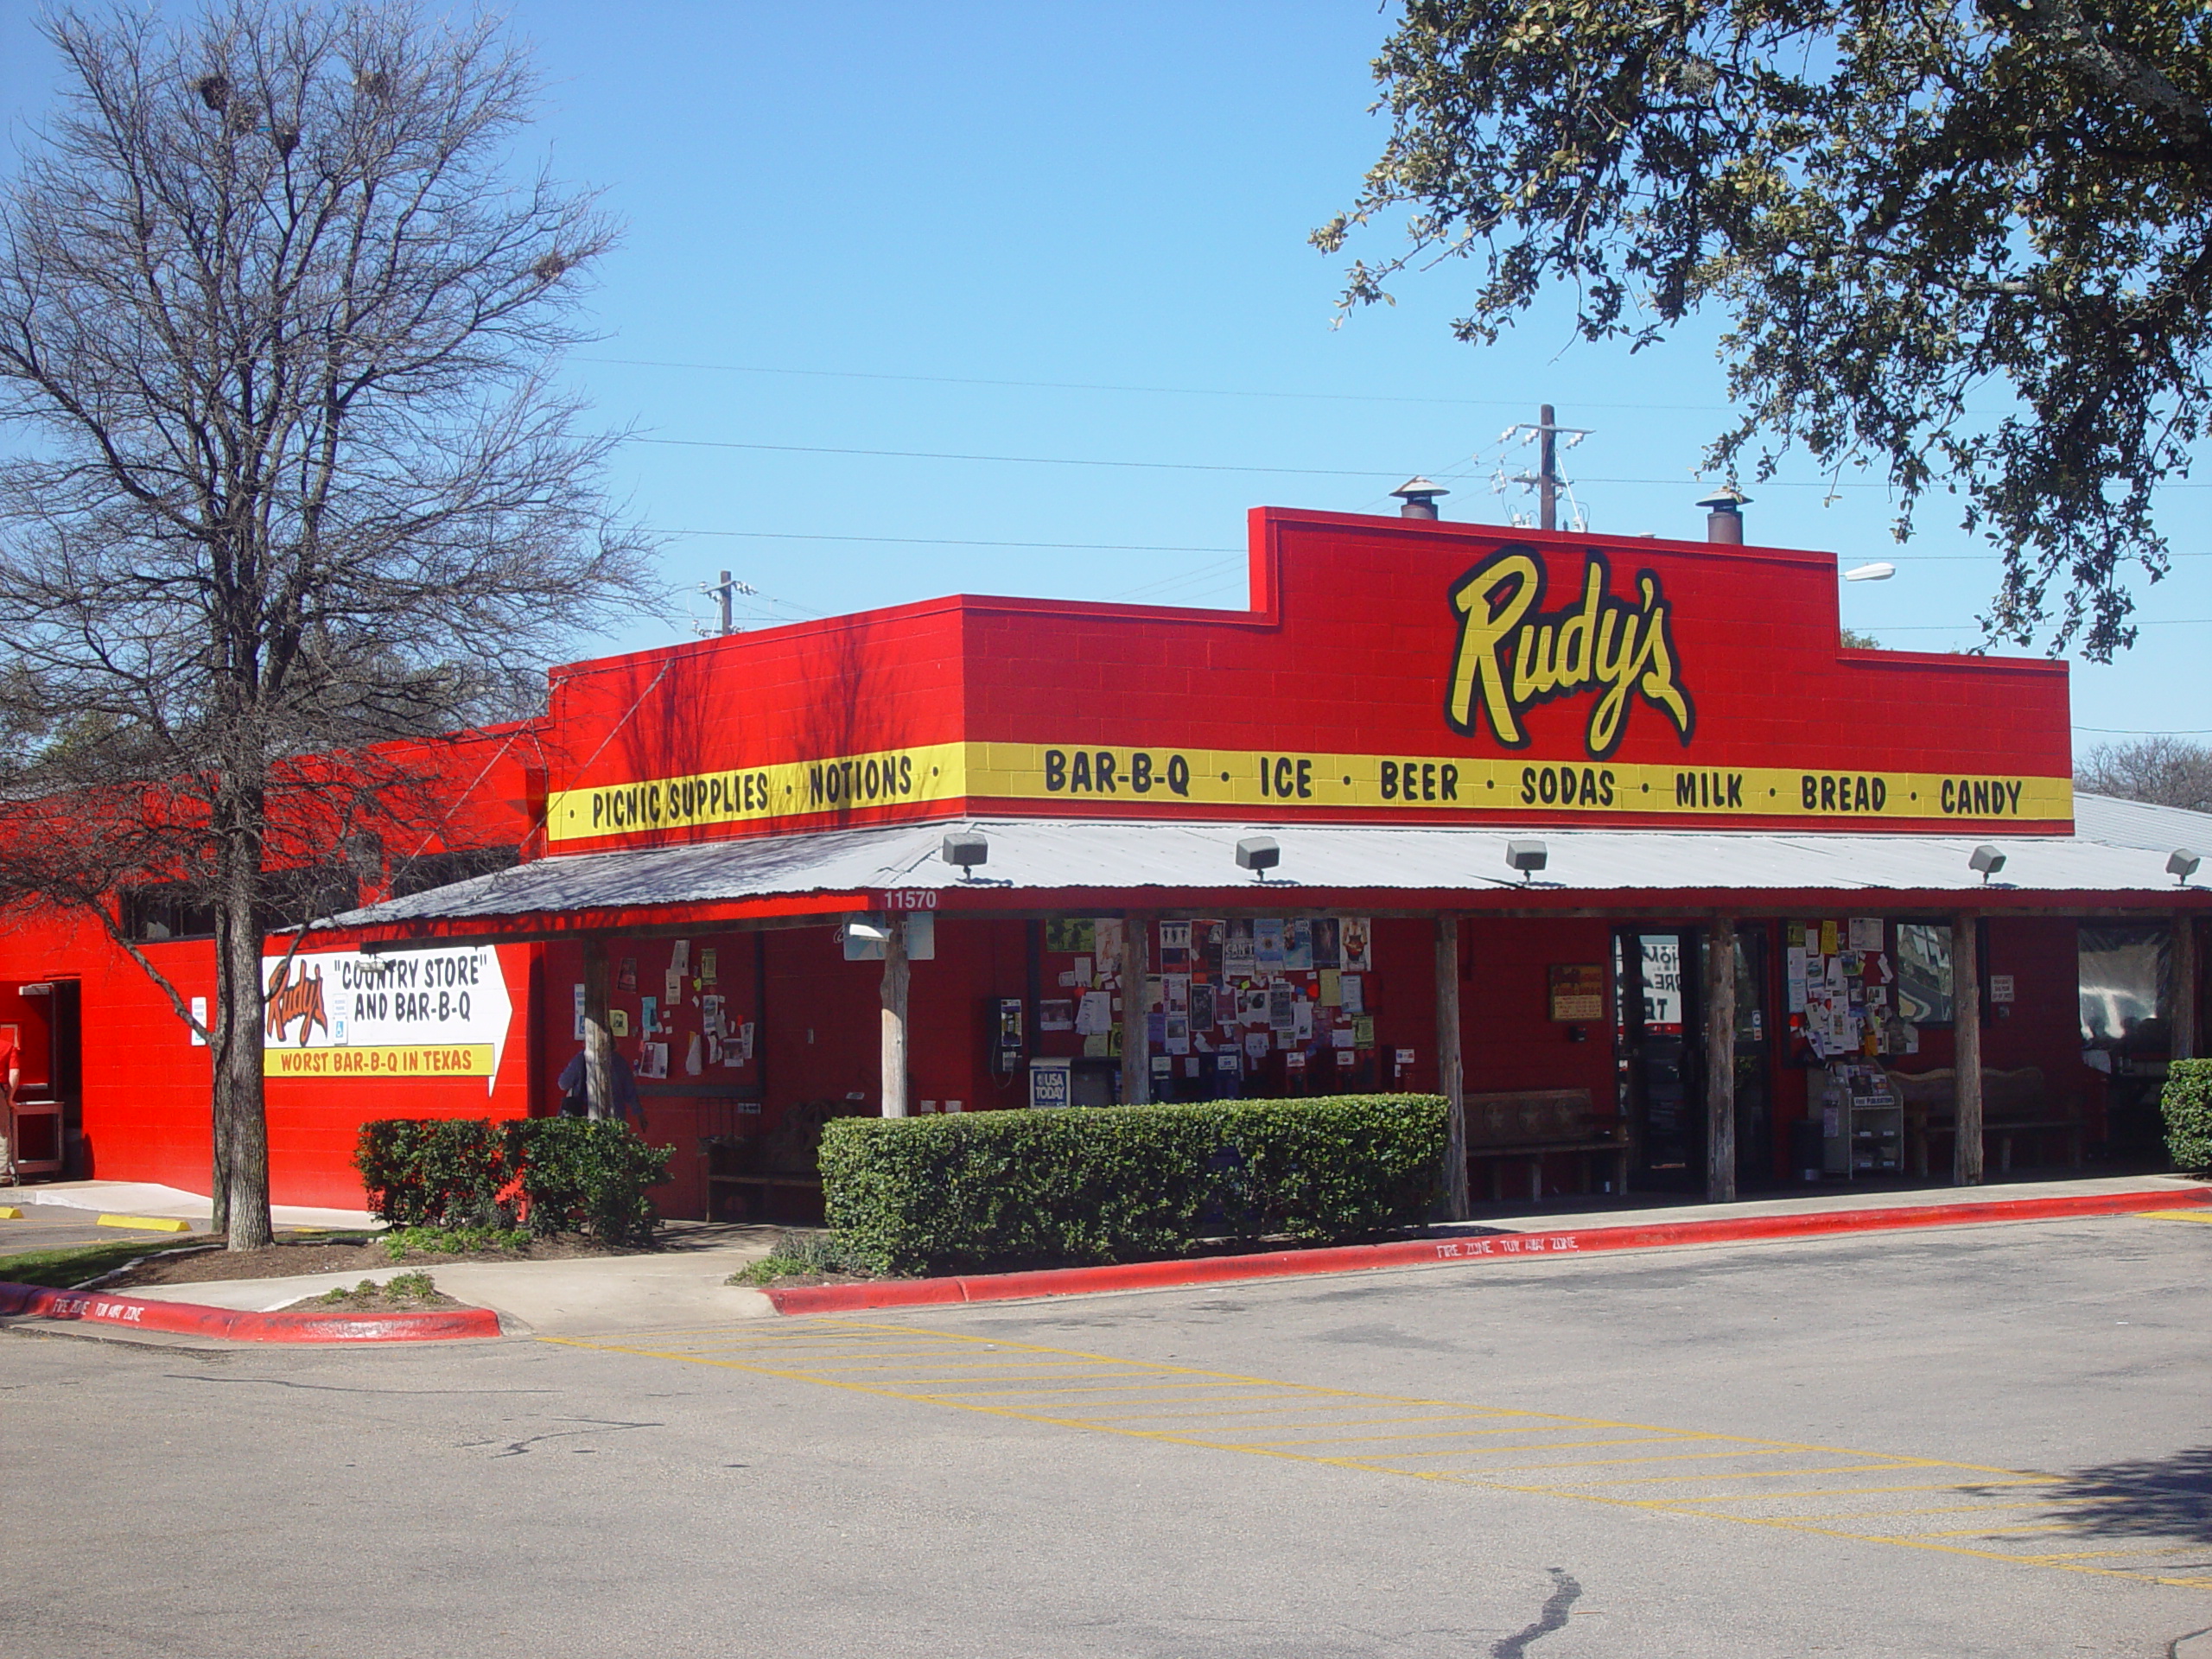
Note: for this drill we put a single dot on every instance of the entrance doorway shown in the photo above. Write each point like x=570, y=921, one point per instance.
x=43, y=1133
x=1662, y=1077
x=1754, y=1060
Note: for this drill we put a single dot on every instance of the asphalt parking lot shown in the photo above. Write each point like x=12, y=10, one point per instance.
x=51, y=1227
x=1983, y=1442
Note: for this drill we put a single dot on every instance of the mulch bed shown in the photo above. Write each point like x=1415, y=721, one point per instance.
x=284, y=1260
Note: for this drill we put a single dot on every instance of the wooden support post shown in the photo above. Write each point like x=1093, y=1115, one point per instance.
x=1965, y=1029
x=1720, y=1060
x=2184, y=1019
x=599, y=1041
x=895, y=976
x=1450, y=1079
x=1136, y=1050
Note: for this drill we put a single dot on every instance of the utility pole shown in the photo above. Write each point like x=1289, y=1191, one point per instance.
x=1546, y=480
x=1547, y=469
x=724, y=592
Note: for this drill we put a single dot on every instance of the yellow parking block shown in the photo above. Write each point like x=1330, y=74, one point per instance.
x=8, y=1213
x=2204, y=1216
x=148, y=1224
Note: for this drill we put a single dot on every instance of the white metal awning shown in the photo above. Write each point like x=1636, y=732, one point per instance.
x=2117, y=854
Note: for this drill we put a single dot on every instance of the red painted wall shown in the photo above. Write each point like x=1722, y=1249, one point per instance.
x=144, y=1113
x=1348, y=648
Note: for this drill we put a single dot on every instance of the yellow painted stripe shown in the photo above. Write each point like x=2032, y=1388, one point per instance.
x=2177, y=1214
x=146, y=1223
x=2013, y=1502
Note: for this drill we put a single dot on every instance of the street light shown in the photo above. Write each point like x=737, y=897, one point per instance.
x=1870, y=573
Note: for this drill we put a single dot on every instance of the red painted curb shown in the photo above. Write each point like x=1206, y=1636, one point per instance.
x=234, y=1325
x=1418, y=1252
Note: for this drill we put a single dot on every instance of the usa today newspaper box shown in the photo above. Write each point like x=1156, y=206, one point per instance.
x=1050, y=1082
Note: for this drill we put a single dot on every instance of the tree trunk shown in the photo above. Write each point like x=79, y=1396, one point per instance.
x=892, y=995
x=242, y=998
x=1966, y=1031
x=1451, y=1079
x=1720, y=1060
x=599, y=1037
x=1136, y=967
x=218, y=1095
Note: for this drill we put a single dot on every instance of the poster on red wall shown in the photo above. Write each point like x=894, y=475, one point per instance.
x=416, y=1014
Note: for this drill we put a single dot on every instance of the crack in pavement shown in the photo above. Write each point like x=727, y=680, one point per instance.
x=333, y=1388
x=516, y=1448
x=1565, y=1592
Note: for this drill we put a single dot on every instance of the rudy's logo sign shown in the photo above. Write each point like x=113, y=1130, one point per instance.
x=300, y=999
x=1514, y=654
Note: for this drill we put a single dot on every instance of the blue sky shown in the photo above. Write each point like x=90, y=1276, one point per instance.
x=1078, y=233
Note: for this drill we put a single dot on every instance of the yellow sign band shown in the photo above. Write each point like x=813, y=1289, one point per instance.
x=426, y=1060
x=1167, y=781
x=747, y=794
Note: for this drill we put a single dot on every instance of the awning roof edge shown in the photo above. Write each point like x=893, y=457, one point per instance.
x=2115, y=858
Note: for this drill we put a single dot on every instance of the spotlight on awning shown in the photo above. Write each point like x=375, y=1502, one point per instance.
x=967, y=851
x=1526, y=857
x=1259, y=854
x=2184, y=864
x=1988, y=861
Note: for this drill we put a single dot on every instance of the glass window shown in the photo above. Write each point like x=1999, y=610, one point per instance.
x=1923, y=966
x=1663, y=982
x=2125, y=987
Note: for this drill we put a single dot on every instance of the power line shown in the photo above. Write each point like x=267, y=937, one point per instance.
x=2132, y=731
x=1962, y=628
x=1197, y=466
x=1023, y=460
x=955, y=541
x=1089, y=385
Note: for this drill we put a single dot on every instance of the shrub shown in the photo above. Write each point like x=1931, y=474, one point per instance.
x=587, y=1177
x=402, y=1241
x=944, y=1194
x=797, y=1253
x=2187, y=1104
x=437, y=1172
x=552, y=1174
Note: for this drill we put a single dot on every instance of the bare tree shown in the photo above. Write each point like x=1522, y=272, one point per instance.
x=2165, y=771
x=276, y=334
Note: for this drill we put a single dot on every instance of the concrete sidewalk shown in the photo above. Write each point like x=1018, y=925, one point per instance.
x=148, y=1199
x=1581, y=1214
x=680, y=1284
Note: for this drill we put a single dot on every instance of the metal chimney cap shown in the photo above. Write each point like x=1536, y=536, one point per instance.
x=1419, y=489
x=1727, y=498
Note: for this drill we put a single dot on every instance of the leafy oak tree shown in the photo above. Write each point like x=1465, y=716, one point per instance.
x=1902, y=205
x=290, y=477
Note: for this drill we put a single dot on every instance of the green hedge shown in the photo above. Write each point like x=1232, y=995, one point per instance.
x=550, y=1174
x=2187, y=1106
x=1033, y=1188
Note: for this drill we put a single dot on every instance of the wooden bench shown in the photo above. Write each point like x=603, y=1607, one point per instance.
x=2016, y=1105
x=752, y=1169
x=1529, y=1125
